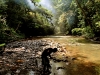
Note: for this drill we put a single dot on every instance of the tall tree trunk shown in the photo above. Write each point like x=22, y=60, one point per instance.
x=84, y=14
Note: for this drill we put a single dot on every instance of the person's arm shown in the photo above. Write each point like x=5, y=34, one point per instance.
x=50, y=56
x=49, y=53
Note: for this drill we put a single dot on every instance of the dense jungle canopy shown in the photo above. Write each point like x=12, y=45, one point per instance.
x=27, y=18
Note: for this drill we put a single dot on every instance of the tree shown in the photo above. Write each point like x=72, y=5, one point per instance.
x=27, y=18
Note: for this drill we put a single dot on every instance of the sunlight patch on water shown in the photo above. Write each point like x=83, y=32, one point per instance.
x=31, y=73
x=58, y=68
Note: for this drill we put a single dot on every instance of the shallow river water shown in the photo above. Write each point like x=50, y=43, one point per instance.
x=87, y=53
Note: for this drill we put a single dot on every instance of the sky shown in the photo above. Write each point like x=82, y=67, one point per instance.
x=45, y=3
x=28, y=3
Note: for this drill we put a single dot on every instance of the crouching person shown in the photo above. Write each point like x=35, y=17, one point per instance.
x=45, y=60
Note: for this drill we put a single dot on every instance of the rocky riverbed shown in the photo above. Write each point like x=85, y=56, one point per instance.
x=24, y=57
x=75, y=56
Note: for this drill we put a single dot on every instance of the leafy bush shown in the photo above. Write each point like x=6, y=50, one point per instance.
x=88, y=32
x=77, y=31
x=9, y=35
x=97, y=27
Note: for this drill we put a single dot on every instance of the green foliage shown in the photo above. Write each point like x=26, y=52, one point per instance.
x=26, y=21
x=66, y=14
x=3, y=44
x=97, y=0
x=97, y=29
x=71, y=16
x=7, y=35
x=36, y=0
x=77, y=31
x=88, y=32
x=98, y=24
x=7, y=26
x=87, y=17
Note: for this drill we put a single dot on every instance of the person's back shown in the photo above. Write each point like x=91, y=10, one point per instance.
x=46, y=52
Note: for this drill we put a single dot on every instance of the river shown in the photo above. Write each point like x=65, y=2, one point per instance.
x=87, y=52
x=83, y=59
